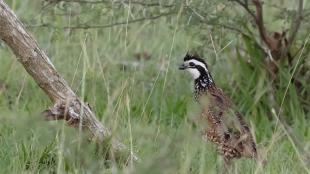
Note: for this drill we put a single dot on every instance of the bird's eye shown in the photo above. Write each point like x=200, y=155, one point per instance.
x=191, y=64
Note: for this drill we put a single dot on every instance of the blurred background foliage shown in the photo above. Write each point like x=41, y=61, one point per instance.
x=121, y=56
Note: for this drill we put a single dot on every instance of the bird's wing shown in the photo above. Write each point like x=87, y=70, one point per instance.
x=222, y=106
x=228, y=124
x=231, y=119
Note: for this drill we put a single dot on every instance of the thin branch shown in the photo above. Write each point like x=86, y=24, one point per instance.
x=260, y=24
x=296, y=23
x=85, y=26
x=258, y=18
x=273, y=42
x=203, y=19
x=119, y=2
x=245, y=6
x=231, y=27
x=225, y=26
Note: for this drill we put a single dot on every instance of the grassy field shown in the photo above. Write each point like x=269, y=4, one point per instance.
x=147, y=104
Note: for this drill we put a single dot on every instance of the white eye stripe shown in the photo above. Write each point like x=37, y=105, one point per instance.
x=196, y=62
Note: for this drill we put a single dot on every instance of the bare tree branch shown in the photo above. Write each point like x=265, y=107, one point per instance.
x=119, y=23
x=260, y=24
x=258, y=18
x=245, y=6
x=296, y=23
x=67, y=104
x=86, y=26
x=119, y=2
x=275, y=43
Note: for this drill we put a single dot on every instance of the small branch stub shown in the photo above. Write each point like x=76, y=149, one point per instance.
x=63, y=111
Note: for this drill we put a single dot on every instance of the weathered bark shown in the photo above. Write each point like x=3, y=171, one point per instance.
x=67, y=105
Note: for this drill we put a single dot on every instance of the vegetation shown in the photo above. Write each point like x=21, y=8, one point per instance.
x=122, y=58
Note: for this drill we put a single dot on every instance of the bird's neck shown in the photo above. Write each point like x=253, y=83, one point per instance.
x=202, y=85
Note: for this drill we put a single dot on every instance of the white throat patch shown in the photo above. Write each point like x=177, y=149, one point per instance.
x=194, y=72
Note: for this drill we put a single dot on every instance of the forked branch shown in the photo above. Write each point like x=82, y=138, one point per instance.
x=277, y=43
x=258, y=18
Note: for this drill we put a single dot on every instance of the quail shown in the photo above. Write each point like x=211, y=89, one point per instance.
x=226, y=127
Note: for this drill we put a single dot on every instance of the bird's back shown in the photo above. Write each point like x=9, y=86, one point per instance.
x=226, y=126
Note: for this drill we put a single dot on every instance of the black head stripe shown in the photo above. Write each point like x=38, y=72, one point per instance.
x=201, y=69
x=195, y=57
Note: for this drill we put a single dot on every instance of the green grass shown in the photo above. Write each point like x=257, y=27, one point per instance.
x=148, y=106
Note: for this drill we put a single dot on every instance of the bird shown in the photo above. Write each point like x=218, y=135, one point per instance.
x=226, y=127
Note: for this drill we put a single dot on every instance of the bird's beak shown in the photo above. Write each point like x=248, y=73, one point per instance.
x=182, y=66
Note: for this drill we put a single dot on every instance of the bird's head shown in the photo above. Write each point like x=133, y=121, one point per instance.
x=195, y=65
x=198, y=68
